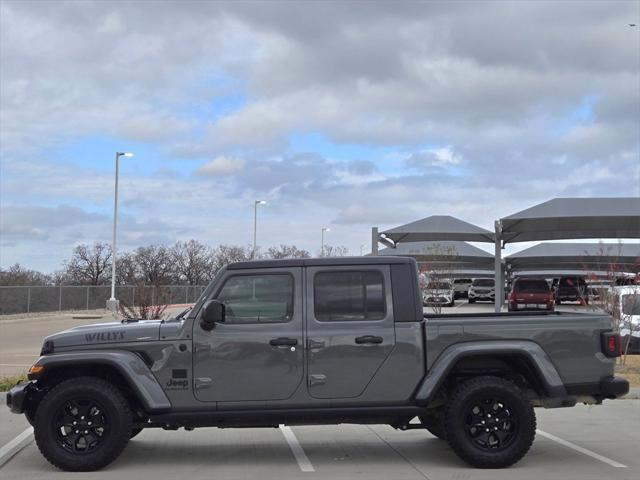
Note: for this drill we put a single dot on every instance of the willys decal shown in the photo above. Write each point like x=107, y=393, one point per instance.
x=104, y=336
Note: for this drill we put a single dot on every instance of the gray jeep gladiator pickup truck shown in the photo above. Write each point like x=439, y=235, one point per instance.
x=316, y=341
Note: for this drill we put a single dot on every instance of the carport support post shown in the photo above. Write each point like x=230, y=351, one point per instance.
x=498, y=266
x=374, y=241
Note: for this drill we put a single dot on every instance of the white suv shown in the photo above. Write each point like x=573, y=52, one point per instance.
x=482, y=289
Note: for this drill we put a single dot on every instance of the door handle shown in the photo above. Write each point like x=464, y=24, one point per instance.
x=371, y=339
x=283, y=342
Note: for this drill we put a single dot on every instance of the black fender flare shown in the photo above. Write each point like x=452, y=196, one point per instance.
x=136, y=373
x=533, y=352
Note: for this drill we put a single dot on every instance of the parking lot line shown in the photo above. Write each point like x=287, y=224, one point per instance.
x=15, y=445
x=582, y=450
x=296, y=449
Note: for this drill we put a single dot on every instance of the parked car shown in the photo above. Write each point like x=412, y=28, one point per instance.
x=461, y=287
x=438, y=292
x=530, y=294
x=628, y=302
x=482, y=289
x=315, y=341
x=571, y=289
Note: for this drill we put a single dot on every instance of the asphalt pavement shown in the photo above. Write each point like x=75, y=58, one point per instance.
x=575, y=443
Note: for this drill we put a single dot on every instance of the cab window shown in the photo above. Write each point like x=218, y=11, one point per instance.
x=258, y=298
x=349, y=296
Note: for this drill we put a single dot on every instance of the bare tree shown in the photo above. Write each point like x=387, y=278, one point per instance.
x=438, y=266
x=18, y=276
x=193, y=262
x=605, y=272
x=154, y=264
x=334, y=251
x=89, y=265
x=149, y=303
x=127, y=270
x=226, y=254
x=286, y=251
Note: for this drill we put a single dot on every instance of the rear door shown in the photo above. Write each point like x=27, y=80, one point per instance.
x=350, y=328
x=257, y=354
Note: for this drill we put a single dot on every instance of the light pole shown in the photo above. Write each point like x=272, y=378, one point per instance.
x=324, y=229
x=255, y=224
x=112, y=303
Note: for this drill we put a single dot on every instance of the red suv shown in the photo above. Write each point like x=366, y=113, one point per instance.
x=530, y=293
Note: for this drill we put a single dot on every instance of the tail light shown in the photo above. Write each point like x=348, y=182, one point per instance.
x=611, y=344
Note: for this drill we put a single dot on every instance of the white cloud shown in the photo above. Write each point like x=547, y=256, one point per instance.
x=222, y=166
x=467, y=123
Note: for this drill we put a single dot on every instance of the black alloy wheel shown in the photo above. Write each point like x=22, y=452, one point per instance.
x=490, y=424
x=81, y=425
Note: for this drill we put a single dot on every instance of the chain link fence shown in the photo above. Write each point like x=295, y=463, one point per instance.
x=87, y=297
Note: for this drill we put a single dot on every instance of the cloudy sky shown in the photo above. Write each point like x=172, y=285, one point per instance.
x=342, y=115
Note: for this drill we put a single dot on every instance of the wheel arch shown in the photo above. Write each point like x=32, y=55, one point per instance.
x=481, y=358
x=126, y=369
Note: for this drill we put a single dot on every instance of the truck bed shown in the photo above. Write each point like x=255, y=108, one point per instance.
x=571, y=340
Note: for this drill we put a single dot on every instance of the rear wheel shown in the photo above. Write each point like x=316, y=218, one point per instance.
x=82, y=424
x=489, y=423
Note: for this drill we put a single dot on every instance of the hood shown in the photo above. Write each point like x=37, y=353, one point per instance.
x=105, y=333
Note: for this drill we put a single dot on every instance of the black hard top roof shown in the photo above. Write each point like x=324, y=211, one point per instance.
x=320, y=262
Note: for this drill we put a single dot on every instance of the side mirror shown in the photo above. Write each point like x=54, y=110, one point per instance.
x=213, y=312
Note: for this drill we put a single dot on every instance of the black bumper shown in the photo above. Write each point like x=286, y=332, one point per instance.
x=614, y=387
x=608, y=387
x=16, y=397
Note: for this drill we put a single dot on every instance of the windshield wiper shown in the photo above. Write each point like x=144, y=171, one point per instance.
x=183, y=313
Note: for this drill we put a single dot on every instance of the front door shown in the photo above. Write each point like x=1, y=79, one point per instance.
x=350, y=329
x=257, y=354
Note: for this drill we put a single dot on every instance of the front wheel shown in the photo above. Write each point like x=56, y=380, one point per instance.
x=489, y=423
x=82, y=424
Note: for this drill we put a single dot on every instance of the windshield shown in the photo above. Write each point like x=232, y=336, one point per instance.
x=531, y=286
x=631, y=304
x=483, y=282
x=439, y=286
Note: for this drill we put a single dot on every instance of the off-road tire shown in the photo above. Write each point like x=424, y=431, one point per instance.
x=434, y=424
x=459, y=414
x=117, y=421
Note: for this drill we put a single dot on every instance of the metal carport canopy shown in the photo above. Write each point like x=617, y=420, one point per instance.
x=436, y=228
x=577, y=256
x=566, y=218
x=467, y=257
